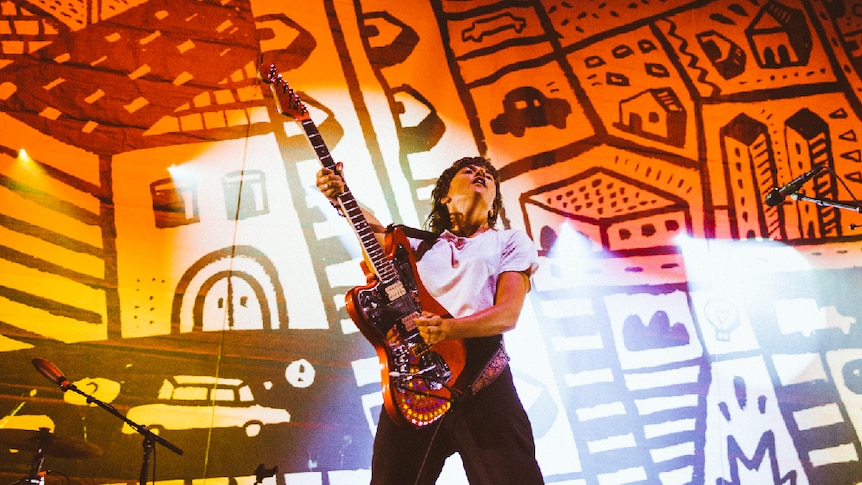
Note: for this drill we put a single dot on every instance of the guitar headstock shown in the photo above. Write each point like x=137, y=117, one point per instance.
x=286, y=100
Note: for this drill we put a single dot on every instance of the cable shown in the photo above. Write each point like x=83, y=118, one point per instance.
x=55, y=472
x=852, y=227
x=846, y=187
x=227, y=318
x=428, y=450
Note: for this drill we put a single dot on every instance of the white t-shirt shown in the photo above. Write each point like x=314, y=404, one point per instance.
x=461, y=272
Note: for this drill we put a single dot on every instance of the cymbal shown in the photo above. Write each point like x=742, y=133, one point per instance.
x=51, y=444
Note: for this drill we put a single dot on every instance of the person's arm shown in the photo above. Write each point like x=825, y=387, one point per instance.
x=331, y=184
x=512, y=288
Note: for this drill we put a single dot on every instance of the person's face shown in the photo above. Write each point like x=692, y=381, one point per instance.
x=471, y=184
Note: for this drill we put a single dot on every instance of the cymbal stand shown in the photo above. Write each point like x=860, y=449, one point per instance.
x=36, y=476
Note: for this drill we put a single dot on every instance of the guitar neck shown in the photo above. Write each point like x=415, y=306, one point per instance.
x=382, y=266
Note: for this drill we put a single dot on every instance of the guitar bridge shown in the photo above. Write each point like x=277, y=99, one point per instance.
x=428, y=366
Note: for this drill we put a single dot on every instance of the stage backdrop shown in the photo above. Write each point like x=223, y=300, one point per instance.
x=162, y=242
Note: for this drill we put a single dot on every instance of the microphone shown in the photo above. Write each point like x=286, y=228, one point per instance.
x=51, y=372
x=777, y=195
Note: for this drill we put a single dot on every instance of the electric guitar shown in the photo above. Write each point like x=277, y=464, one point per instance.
x=420, y=381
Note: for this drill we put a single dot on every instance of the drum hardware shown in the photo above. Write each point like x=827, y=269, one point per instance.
x=45, y=443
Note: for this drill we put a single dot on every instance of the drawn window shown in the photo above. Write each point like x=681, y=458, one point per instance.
x=223, y=395
x=190, y=393
x=245, y=194
x=175, y=202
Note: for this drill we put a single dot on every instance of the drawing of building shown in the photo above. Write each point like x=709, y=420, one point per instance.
x=779, y=37
x=656, y=114
x=749, y=175
x=615, y=212
x=726, y=56
x=809, y=144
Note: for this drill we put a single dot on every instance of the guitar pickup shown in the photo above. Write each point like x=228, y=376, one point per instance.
x=395, y=291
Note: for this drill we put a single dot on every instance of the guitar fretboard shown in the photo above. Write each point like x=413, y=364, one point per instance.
x=382, y=266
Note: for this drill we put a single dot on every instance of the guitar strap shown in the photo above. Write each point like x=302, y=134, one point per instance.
x=427, y=237
x=493, y=368
x=413, y=232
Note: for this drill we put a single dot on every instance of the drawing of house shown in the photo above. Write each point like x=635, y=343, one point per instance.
x=725, y=55
x=656, y=114
x=779, y=37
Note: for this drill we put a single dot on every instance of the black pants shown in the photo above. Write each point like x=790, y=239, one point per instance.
x=490, y=430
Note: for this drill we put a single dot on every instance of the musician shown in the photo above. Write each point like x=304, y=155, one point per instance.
x=481, y=275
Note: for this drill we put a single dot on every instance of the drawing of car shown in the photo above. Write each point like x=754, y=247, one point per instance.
x=492, y=25
x=205, y=402
x=525, y=107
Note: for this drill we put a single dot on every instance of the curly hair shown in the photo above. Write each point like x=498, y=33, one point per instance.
x=438, y=220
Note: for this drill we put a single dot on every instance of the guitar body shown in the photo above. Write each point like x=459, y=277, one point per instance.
x=419, y=382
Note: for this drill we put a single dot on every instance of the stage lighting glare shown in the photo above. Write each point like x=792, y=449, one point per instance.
x=180, y=171
x=26, y=163
x=23, y=156
x=734, y=265
x=572, y=247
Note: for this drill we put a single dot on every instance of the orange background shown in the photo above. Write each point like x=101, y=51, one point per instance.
x=162, y=241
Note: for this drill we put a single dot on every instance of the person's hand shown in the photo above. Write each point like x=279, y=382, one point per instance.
x=432, y=328
x=330, y=183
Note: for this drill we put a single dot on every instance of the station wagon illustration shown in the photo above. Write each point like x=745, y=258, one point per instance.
x=196, y=402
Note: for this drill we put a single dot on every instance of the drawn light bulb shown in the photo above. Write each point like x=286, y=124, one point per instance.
x=723, y=316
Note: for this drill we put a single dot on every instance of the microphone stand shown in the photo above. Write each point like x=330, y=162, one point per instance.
x=826, y=202
x=829, y=203
x=833, y=203
x=150, y=438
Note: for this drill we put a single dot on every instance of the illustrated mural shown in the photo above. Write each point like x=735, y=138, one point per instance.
x=162, y=242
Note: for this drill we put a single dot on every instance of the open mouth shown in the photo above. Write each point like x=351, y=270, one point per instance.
x=481, y=181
